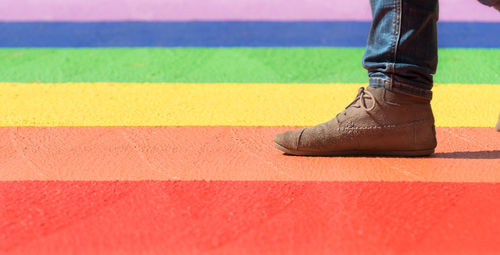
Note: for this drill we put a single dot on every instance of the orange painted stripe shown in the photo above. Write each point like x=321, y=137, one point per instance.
x=227, y=153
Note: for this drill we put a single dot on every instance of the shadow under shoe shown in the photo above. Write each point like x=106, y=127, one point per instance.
x=377, y=122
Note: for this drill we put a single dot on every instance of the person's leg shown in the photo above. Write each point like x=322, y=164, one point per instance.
x=401, y=53
x=393, y=115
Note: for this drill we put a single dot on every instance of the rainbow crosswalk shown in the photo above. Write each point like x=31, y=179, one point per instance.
x=146, y=126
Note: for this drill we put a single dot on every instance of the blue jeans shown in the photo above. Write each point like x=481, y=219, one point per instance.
x=491, y=3
x=401, y=54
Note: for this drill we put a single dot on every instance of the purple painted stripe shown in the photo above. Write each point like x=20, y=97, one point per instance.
x=219, y=10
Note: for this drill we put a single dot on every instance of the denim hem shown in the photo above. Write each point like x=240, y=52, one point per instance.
x=400, y=87
x=490, y=2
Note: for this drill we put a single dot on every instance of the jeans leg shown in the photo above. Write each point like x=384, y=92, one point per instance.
x=401, y=53
x=492, y=3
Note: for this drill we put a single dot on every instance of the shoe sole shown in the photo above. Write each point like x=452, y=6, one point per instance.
x=415, y=153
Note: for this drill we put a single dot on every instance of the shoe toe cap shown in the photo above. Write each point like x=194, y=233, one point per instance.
x=288, y=139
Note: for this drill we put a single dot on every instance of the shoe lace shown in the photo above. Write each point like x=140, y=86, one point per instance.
x=361, y=98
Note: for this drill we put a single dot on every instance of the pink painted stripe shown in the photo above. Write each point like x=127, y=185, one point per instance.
x=186, y=10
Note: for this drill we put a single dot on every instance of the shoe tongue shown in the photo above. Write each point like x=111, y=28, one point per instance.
x=369, y=100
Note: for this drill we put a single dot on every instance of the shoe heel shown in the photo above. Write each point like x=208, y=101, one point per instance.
x=425, y=136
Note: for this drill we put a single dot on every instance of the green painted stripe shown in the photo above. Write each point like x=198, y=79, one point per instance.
x=216, y=65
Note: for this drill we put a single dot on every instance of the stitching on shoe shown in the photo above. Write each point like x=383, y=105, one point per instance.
x=298, y=140
x=386, y=126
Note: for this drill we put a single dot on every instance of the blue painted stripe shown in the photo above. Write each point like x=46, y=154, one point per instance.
x=224, y=34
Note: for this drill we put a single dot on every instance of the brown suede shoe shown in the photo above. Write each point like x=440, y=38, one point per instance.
x=377, y=122
x=498, y=124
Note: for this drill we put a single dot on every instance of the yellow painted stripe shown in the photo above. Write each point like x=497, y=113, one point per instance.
x=161, y=104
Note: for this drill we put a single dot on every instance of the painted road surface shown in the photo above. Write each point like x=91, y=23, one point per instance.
x=187, y=104
x=232, y=217
x=157, y=10
x=225, y=65
x=228, y=153
x=146, y=127
x=225, y=34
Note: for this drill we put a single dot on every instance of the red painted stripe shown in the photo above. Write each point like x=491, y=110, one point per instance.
x=227, y=153
x=249, y=217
